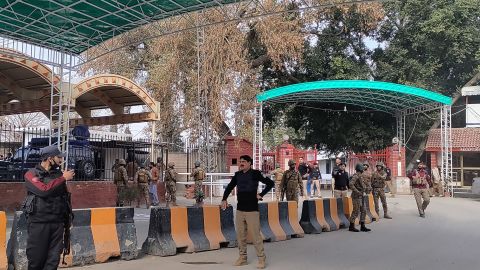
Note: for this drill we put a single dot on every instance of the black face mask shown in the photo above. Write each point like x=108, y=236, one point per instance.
x=54, y=166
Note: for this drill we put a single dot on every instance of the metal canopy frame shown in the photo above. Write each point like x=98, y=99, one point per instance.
x=76, y=26
x=395, y=99
x=65, y=34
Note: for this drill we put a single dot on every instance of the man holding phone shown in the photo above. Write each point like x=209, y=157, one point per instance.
x=48, y=210
x=247, y=217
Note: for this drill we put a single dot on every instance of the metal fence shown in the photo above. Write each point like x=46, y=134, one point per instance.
x=92, y=157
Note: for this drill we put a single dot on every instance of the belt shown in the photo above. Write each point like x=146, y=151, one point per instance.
x=341, y=188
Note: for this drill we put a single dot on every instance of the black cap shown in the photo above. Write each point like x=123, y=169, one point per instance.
x=51, y=151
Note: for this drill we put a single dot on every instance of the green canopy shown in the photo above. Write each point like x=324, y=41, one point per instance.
x=76, y=25
x=381, y=96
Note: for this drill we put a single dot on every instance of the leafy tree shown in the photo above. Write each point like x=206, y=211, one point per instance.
x=429, y=44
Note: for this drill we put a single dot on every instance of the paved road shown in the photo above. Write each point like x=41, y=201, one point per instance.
x=449, y=238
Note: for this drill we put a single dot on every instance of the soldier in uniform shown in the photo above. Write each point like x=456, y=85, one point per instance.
x=278, y=175
x=437, y=182
x=120, y=179
x=357, y=185
x=420, y=183
x=378, y=184
x=198, y=175
x=291, y=183
x=367, y=176
x=388, y=181
x=170, y=184
x=142, y=178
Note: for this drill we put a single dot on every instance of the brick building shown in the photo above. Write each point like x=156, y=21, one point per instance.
x=465, y=153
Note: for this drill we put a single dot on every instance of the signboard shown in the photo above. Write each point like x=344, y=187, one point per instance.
x=402, y=185
x=473, y=115
x=471, y=91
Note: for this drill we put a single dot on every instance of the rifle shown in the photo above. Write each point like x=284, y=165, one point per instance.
x=66, y=229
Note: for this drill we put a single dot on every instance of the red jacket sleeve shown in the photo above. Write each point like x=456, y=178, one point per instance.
x=34, y=185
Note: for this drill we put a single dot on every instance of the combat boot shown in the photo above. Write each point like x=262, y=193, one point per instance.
x=363, y=228
x=261, y=262
x=352, y=227
x=387, y=216
x=242, y=260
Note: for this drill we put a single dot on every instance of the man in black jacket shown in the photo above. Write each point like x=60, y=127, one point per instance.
x=303, y=170
x=48, y=209
x=247, y=216
x=341, y=181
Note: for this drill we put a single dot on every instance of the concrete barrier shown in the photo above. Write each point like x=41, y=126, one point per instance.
x=348, y=209
x=370, y=207
x=337, y=214
x=189, y=229
x=97, y=234
x=313, y=217
x=3, y=236
x=270, y=226
x=341, y=212
x=288, y=217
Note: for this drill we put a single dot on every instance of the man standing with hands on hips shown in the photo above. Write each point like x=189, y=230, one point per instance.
x=48, y=210
x=247, y=217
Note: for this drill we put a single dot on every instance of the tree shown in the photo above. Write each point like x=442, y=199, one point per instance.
x=429, y=44
x=335, y=49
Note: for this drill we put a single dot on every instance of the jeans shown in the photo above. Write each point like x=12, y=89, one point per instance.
x=152, y=189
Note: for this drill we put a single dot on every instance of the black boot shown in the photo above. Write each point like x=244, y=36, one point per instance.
x=352, y=227
x=363, y=228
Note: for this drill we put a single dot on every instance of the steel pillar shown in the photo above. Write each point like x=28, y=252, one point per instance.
x=446, y=147
x=205, y=143
x=258, y=137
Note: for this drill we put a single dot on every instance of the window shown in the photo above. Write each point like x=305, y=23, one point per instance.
x=471, y=159
x=234, y=161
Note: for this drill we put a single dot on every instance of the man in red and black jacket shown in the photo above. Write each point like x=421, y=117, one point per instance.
x=48, y=210
x=420, y=182
x=247, y=216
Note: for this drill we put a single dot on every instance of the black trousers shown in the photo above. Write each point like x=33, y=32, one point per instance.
x=44, y=245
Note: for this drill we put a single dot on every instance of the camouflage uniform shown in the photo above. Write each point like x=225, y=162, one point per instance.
x=120, y=179
x=198, y=175
x=142, y=177
x=278, y=173
x=357, y=185
x=291, y=184
x=378, y=185
x=170, y=184
x=367, y=180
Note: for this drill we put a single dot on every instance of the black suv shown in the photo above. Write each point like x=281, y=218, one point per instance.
x=80, y=157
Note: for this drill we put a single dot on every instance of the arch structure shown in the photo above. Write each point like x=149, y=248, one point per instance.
x=114, y=92
x=25, y=85
x=395, y=99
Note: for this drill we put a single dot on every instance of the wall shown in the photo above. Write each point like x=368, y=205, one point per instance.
x=85, y=194
x=236, y=147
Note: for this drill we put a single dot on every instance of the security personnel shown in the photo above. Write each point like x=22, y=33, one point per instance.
x=171, y=184
x=247, y=218
x=48, y=210
x=388, y=182
x=277, y=176
x=303, y=170
x=420, y=183
x=315, y=176
x=142, y=178
x=291, y=183
x=341, y=180
x=357, y=185
x=379, y=178
x=198, y=175
x=367, y=177
x=120, y=179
